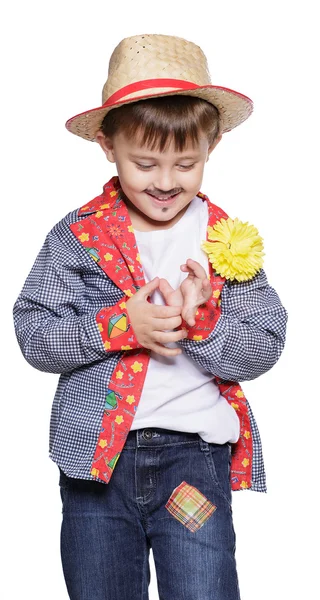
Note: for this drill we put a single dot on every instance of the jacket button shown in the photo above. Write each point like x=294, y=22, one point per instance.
x=147, y=434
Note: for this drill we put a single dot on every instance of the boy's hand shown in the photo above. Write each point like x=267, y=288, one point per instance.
x=150, y=321
x=195, y=290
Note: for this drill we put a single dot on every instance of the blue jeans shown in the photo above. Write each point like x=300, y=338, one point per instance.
x=169, y=491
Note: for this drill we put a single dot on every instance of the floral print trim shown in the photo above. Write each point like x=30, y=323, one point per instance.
x=106, y=232
x=116, y=329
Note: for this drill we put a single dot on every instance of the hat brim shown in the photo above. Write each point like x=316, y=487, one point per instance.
x=234, y=108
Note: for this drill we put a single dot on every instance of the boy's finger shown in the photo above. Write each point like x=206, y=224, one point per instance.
x=147, y=289
x=194, y=267
x=190, y=320
x=160, y=311
x=206, y=285
x=188, y=315
x=165, y=324
x=164, y=286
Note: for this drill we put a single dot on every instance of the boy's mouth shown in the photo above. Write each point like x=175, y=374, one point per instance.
x=163, y=197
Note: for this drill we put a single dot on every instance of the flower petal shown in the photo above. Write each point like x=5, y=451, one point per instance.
x=235, y=250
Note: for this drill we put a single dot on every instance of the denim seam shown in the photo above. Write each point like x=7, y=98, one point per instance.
x=204, y=447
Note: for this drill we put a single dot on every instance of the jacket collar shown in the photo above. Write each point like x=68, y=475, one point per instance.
x=107, y=234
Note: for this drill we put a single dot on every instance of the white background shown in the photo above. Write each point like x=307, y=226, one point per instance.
x=54, y=63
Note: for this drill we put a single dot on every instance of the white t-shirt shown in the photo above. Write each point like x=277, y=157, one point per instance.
x=178, y=394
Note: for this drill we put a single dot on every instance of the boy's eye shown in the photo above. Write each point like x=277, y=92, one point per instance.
x=150, y=166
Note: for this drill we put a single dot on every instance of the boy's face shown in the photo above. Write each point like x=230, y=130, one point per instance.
x=158, y=185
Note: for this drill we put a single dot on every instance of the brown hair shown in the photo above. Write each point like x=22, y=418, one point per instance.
x=161, y=119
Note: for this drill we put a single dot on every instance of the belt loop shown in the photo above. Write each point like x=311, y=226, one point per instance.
x=204, y=446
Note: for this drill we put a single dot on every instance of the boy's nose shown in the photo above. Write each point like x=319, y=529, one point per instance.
x=165, y=184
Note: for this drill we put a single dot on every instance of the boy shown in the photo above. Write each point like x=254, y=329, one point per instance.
x=149, y=426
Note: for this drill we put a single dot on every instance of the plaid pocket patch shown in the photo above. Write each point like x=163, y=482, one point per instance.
x=189, y=506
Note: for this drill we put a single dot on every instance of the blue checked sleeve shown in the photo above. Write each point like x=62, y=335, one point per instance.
x=55, y=314
x=249, y=335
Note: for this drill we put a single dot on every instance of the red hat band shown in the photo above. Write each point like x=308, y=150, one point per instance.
x=146, y=84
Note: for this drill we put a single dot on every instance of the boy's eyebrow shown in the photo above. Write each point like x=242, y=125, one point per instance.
x=153, y=158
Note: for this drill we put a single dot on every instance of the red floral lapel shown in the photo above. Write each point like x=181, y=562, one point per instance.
x=108, y=236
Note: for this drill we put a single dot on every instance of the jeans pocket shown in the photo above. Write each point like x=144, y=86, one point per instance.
x=218, y=458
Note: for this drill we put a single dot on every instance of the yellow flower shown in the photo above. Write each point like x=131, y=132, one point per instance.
x=84, y=237
x=244, y=485
x=236, y=251
x=108, y=256
x=130, y=399
x=137, y=367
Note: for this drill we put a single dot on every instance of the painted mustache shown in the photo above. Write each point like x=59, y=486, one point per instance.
x=163, y=194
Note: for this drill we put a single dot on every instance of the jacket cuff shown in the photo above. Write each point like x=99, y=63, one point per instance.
x=205, y=318
x=116, y=328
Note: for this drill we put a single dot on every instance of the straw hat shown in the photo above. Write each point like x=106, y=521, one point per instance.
x=154, y=65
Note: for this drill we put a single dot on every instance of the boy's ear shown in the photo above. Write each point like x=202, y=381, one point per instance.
x=215, y=143
x=106, y=145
